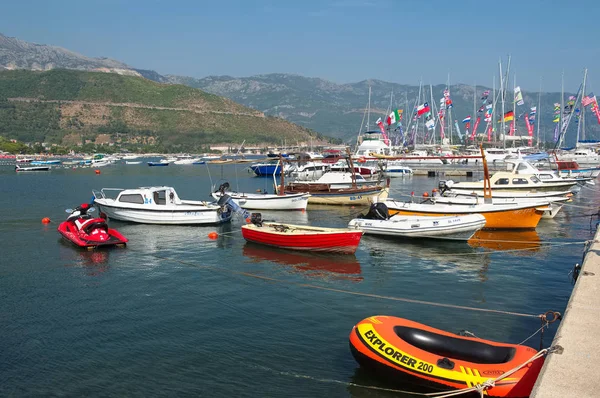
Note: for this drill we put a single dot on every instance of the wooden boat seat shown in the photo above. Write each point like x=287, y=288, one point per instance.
x=455, y=348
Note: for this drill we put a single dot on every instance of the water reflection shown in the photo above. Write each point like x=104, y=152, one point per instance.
x=93, y=261
x=523, y=242
x=431, y=254
x=321, y=265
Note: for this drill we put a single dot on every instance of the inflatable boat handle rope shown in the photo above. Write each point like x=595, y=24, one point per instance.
x=491, y=383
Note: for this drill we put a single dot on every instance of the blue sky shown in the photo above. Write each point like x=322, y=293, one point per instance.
x=339, y=40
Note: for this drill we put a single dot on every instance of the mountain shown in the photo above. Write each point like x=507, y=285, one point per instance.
x=337, y=110
x=68, y=107
x=20, y=54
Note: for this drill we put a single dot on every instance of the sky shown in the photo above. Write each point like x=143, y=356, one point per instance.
x=339, y=40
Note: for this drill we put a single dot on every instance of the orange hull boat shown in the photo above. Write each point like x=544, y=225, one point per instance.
x=527, y=218
x=420, y=354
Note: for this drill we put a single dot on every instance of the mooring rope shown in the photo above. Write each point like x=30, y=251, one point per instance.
x=343, y=291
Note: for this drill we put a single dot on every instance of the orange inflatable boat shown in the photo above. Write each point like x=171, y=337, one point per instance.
x=418, y=354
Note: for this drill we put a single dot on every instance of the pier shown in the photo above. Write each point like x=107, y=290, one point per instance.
x=574, y=371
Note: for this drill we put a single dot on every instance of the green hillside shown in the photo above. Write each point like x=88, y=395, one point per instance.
x=66, y=106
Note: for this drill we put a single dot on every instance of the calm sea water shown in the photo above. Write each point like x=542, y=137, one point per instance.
x=177, y=314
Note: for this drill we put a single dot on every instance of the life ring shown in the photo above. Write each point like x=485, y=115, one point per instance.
x=412, y=352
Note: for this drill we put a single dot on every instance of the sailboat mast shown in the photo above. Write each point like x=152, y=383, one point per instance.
x=369, y=111
x=449, y=110
x=432, y=106
x=582, y=110
x=474, y=110
x=494, y=138
x=562, y=107
x=538, y=113
x=503, y=125
x=514, y=121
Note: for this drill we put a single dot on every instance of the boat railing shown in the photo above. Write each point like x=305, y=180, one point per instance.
x=102, y=195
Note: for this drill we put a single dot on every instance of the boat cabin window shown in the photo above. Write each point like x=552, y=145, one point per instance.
x=160, y=197
x=501, y=181
x=534, y=179
x=132, y=198
x=522, y=166
x=520, y=181
x=545, y=177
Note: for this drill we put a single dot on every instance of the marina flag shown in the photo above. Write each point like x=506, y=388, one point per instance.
x=596, y=110
x=380, y=124
x=430, y=124
x=591, y=98
x=511, y=128
x=556, y=119
x=489, y=131
x=394, y=117
x=519, y=96
x=467, y=119
x=457, y=129
x=424, y=108
x=509, y=116
x=529, y=129
x=475, y=127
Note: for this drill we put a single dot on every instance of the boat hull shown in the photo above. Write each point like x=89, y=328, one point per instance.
x=409, y=351
x=300, y=237
x=250, y=201
x=348, y=196
x=182, y=216
x=500, y=218
x=455, y=227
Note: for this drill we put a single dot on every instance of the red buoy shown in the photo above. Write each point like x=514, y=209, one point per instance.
x=97, y=171
x=213, y=235
x=45, y=220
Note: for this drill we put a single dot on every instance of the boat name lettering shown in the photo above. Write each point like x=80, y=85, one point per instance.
x=147, y=201
x=192, y=213
x=359, y=197
x=391, y=352
x=492, y=372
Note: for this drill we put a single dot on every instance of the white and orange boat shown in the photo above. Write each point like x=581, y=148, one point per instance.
x=506, y=216
x=301, y=237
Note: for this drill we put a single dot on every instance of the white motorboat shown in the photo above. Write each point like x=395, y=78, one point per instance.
x=186, y=159
x=133, y=162
x=397, y=168
x=159, y=205
x=520, y=176
x=376, y=222
x=264, y=201
x=31, y=168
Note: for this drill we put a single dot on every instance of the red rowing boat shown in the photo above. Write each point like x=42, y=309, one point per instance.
x=302, y=237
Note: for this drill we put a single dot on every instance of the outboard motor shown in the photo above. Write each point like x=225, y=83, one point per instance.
x=226, y=200
x=223, y=187
x=445, y=185
x=377, y=211
x=256, y=219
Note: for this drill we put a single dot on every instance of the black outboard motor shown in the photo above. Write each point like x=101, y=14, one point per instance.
x=225, y=200
x=223, y=187
x=256, y=219
x=377, y=211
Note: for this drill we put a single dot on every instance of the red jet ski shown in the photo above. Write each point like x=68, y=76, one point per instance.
x=85, y=231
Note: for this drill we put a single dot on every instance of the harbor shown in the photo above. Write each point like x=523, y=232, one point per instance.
x=272, y=321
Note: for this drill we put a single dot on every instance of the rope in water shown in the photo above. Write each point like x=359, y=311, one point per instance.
x=480, y=388
x=343, y=291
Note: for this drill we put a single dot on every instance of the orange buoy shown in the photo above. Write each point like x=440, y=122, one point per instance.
x=97, y=171
x=303, y=210
x=45, y=220
x=213, y=235
x=247, y=221
x=425, y=194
